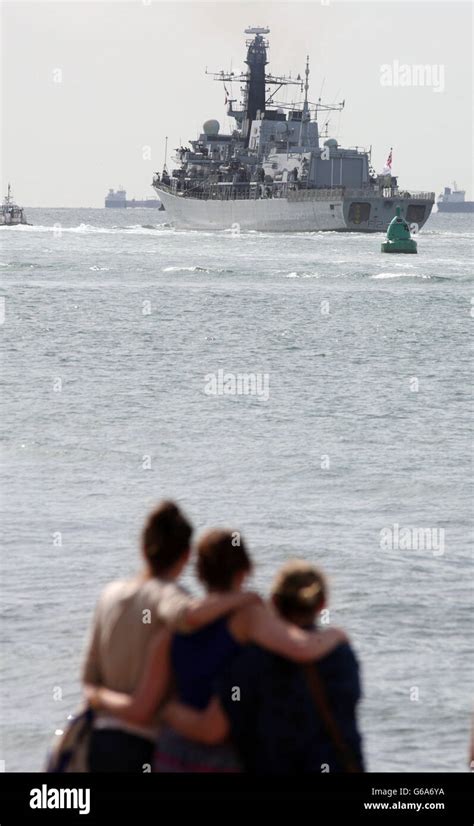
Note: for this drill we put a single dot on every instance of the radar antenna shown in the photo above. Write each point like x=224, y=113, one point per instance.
x=257, y=30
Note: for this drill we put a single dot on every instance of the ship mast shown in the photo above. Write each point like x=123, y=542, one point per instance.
x=306, y=114
x=255, y=81
x=306, y=85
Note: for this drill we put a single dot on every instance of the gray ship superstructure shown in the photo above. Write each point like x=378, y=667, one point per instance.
x=271, y=173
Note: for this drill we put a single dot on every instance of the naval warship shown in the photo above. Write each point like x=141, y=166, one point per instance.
x=271, y=173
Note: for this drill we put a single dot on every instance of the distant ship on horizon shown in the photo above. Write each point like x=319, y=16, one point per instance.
x=454, y=200
x=118, y=200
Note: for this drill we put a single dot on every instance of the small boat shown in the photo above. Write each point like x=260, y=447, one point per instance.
x=11, y=214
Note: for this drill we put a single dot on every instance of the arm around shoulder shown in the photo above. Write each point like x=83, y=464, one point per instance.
x=210, y=726
x=213, y=606
x=263, y=626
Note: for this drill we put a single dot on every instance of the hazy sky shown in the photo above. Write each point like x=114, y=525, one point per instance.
x=88, y=86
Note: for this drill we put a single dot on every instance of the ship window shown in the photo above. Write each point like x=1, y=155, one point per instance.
x=331, y=206
x=388, y=203
x=415, y=213
x=359, y=212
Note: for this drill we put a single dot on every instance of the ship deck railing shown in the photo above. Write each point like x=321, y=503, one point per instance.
x=249, y=191
x=293, y=190
x=390, y=194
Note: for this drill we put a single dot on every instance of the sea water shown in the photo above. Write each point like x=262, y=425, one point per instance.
x=115, y=329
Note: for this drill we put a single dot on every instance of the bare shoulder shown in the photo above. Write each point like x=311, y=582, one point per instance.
x=330, y=639
x=120, y=588
x=113, y=591
x=339, y=635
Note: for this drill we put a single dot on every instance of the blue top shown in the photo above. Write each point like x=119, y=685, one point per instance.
x=198, y=659
x=275, y=725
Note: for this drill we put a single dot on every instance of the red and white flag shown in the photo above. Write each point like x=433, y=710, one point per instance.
x=387, y=170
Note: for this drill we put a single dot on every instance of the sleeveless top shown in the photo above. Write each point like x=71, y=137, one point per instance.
x=199, y=659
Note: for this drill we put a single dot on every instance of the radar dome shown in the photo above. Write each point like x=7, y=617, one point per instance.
x=211, y=127
x=331, y=142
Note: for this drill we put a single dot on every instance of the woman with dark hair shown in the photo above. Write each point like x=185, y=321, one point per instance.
x=128, y=615
x=197, y=661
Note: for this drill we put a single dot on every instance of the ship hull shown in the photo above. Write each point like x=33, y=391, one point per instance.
x=7, y=221
x=464, y=206
x=303, y=211
x=148, y=204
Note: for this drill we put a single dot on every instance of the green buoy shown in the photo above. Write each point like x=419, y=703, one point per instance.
x=398, y=236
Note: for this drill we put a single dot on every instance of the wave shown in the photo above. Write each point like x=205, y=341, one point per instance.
x=185, y=269
x=20, y=265
x=86, y=229
x=302, y=275
x=196, y=268
x=443, y=233
x=421, y=276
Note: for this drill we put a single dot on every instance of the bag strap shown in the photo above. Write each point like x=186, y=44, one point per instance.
x=318, y=694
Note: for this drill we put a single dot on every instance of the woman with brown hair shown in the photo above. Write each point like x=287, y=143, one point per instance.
x=128, y=615
x=197, y=661
x=288, y=719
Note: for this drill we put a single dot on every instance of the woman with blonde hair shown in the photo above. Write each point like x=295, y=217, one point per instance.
x=286, y=718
